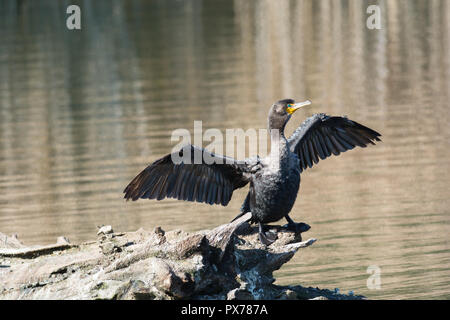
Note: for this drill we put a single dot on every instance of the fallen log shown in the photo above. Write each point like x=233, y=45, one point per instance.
x=227, y=262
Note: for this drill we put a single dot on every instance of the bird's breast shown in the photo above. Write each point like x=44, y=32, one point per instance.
x=275, y=191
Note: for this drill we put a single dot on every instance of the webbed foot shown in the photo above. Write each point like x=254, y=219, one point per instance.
x=296, y=227
x=268, y=237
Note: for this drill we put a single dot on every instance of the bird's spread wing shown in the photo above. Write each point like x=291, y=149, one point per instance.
x=206, y=177
x=321, y=135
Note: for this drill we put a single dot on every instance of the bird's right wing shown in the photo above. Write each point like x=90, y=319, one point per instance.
x=321, y=135
x=205, y=177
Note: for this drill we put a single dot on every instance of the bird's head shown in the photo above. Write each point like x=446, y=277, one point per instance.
x=281, y=112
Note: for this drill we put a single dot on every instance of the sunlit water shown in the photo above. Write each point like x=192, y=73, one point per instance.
x=82, y=112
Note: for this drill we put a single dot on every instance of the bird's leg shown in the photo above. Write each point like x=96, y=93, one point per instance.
x=296, y=227
x=266, y=238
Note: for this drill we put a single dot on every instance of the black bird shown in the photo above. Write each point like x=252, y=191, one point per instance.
x=195, y=174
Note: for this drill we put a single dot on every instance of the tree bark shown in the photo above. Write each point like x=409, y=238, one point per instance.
x=227, y=262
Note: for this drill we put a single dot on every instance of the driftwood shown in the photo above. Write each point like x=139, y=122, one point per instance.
x=227, y=262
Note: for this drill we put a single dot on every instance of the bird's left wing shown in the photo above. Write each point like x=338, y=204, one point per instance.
x=199, y=176
x=321, y=135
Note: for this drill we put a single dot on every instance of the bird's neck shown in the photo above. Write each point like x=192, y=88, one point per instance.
x=278, y=146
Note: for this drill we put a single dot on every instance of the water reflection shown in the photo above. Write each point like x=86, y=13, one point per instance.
x=81, y=112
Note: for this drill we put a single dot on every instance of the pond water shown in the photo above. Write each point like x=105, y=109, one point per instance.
x=83, y=111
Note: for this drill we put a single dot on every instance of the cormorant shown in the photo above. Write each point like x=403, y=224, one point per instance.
x=206, y=177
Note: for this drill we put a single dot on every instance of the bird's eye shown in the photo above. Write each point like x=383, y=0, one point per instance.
x=290, y=105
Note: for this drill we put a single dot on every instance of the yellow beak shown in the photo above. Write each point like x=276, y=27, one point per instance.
x=294, y=107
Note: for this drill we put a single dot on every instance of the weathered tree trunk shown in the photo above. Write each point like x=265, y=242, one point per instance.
x=228, y=262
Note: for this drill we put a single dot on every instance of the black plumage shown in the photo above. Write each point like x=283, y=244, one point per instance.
x=211, y=183
x=274, y=180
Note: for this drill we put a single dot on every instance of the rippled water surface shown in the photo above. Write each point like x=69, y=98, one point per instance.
x=82, y=112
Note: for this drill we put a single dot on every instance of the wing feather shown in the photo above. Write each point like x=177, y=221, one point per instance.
x=321, y=135
x=204, y=182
